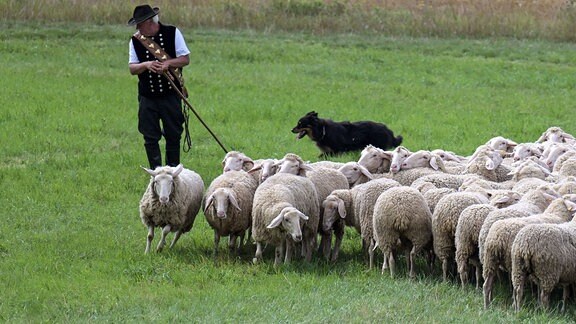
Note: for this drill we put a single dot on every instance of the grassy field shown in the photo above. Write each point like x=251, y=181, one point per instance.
x=71, y=242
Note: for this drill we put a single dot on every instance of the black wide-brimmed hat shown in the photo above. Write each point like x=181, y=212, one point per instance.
x=141, y=13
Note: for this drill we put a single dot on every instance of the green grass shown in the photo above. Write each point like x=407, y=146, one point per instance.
x=71, y=242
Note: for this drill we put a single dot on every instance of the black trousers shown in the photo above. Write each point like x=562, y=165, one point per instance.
x=159, y=117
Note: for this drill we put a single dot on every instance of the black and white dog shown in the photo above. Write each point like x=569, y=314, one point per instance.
x=333, y=138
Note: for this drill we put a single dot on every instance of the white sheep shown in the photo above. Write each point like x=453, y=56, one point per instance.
x=484, y=162
x=444, y=221
x=236, y=161
x=355, y=173
x=498, y=245
x=533, y=202
x=325, y=181
x=399, y=154
x=354, y=207
x=227, y=206
x=171, y=201
x=281, y=204
x=523, y=151
x=431, y=193
x=375, y=159
x=555, y=134
x=401, y=215
x=500, y=143
x=545, y=253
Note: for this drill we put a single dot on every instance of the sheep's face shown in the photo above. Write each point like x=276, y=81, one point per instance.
x=373, y=159
x=399, y=154
x=163, y=185
x=333, y=210
x=289, y=221
x=353, y=171
x=235, y=161
x=268, y=169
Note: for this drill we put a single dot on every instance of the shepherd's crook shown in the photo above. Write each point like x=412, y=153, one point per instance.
x=169, y=77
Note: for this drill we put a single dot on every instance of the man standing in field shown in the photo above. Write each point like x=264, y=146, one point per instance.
x=158, y=52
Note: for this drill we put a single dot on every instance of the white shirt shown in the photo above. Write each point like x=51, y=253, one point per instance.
x=180, y=44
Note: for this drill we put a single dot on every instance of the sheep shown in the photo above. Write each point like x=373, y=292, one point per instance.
x=401, y=215
x=568, y=168
x=423, y=158
x=326, y=164
x=555, y=134
x=448, y=156
x=431, y=193
x=569, y=155
x=375, y=159
x=555, y=152
x=399, y=154
x=446, y=180
x=565, y=185
x=325, y=181
x=484, y=163
x=263, y=169
x=444, y=221
x=227, y=206
x=171, y=201
x=498, y=245
x=354, y=207
x=468, y=229
x=500, y=143
x=533, y=202
x=280, y=204
x=545, y=253
x=355, y=173
x=236, y=161
x=523, y=151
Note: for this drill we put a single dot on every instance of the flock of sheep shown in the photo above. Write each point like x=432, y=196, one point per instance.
x=506, y=209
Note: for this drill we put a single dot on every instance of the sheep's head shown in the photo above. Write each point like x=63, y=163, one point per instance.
x=500, y=143
x=423, y=159
x=292, y=163
x=355, y=173
x=162, y=179
x=334, y=209
x=289, y=221
x=399, y=154
x=376, y=160
x=236, y=161
x=220, y=200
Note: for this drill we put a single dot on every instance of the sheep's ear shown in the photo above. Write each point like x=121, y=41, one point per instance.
x=501, y=200
x=177, y=170
x=149, y=171
x=304, y=217
x=248, y=164
x=276, y=221
x=208, y=203
x=365, y=172
x=434, y=162
x=489, y=165
x=233, y=200
x=341, y=209
x=255, y=168
x=571, y=206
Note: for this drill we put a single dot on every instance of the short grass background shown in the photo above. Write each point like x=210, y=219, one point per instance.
x=71, y=242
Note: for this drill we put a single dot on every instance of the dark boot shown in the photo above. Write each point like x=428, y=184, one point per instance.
x=154, y=156
x=173, y=157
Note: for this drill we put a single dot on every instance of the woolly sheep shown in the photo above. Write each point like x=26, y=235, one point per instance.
x=431, y=193
x=484, y=163
x=570, y=155
x=236, y=161
x=468, y=229
x=444, y=221
x=536, y=254
x=421, y=159
x=399, y=154
x=448, y=156
x=325, y=181
x=280, y=205
x=555, y=134
x=533, y=202
x=355, y=173
x=263, y=169
x=326, y=164
x=401, y=215
x=227, y=206
x=171, y=201
x=354, y=207
x=375, y=159
x=498, y=245
x=554, y=153
x=523, y=151
x=500, y=143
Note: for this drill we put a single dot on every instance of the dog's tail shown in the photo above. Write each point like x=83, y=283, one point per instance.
x=398, y=140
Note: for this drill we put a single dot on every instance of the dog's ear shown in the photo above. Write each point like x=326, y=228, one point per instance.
x=312, y=114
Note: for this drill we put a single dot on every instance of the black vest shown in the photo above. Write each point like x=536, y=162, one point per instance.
x=151, y=84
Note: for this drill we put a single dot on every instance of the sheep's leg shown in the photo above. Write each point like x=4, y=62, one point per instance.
x=544, y=298
x=149, y=238
x=392, y=264
x=258, y=255
x=241, y=243
x=371, y=254
x=162, y=242
x=232, y=244
x=176, y=238
x=518, y=293
x=565, y=296
x=337, y=244
x=289, y=251
x=488, y=281
x=415, y=250
x=216, y=243
x=325, y=245
x=445, y=266
x=278, y=254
